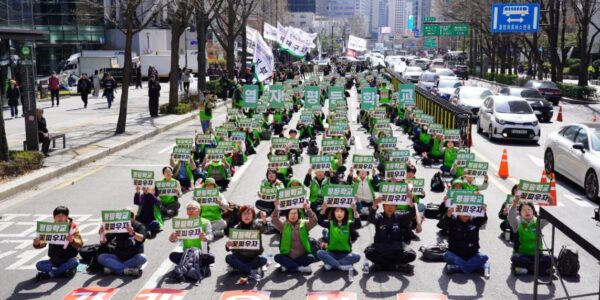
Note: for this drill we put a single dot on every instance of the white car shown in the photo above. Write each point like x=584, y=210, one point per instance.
x=445, y=72
x=437, y=64
x=446, y=87
x=412, y=74
x=574, y=151
x=507, y=117
x=470, y=98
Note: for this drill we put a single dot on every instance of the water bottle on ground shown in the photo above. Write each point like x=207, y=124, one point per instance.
x=270, y=258
x=365, y=268
x=351, y=275
x=486, y=270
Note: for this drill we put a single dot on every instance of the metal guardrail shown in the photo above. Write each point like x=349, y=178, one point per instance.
x=443, y=112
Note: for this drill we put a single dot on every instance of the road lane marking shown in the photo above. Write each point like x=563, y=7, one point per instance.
x=136, y=165
x=160, y=271
x=71, y=181
x=537, y=161
x=578, y=200
x=493, y=165
x=166, y=149
x=357, y=143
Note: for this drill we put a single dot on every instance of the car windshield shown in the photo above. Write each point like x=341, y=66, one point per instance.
x=448, y=84
x=513, y=107
x=445, y=73
x=528, y=94
x=548, y=85
x=474, y=94
x=414, y=69
x=596, y=139
x=429, y=77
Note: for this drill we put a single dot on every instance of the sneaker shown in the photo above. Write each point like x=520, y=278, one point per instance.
x=282, y=269
x=346, y=268
x=255, y=276
x=135, y=272
x=107, y=271
x=70, y=273
x=42, y=276
x=327, y=267
x=231, y=269
x=451, y=269
x=520, y=271
x=242, y=281
x=305, y=270
x=406, y=268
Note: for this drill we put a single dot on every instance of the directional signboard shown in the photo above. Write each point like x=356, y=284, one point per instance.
x=430, y=43
x=429, y=19
x=446, y=29
x=516, y=17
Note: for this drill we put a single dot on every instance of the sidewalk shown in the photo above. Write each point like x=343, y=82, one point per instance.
x=89, y=132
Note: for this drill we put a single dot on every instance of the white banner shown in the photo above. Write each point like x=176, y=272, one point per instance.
x=264, y=61
x=251, y=37
x=281, y=32
x=270, y=32
x=357, y=44
x=295, y=42
x=386, y=30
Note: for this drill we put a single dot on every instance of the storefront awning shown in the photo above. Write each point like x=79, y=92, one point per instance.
x=23, y=34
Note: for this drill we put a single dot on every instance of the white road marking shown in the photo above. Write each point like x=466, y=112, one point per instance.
x=160, y=271
x=536, y=160
x=166, y=149
x=136, y=165
x=578, y=200
x=358, y=143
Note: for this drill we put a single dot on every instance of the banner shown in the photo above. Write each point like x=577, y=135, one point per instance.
x=387, y=143
x=297, y=42
x=250, y=95
x=187, y=229
x=167, y=188
x=268, y=193
x=337, y=195
x=244, y=239
x=468, y=205
x=462, y=158
x=207, y=196
x=204, y=139
x=356, y=43
x=320, y=162
x=363, y=162
x=181, y=153
x=276, y=96
x=535, y=192
x=312, y=97
x=395, y=170
x=213, y=154
x=452, y=135
x=279, y=143
x=416, y=185
x=264, y=61
x=251, y=36
x=368, y=98
x=116, y=221
x=270, y=32
x=290, y=198
x=332, y=146
x=189, y=142
x=281, y=32
x=396, y=155
x=336, y=93
x=394, y=193
x=53, y=233
x=278, y=161
x=142, y=178
x=476, y=168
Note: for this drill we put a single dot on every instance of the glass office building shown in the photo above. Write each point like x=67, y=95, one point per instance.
x=302, y=6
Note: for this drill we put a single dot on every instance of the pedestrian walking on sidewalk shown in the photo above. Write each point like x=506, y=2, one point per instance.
x=154, y=93
x=84, y=87
x=109, y=89
x=43, y=134
x=138, y=76
x=180, y=78
x=96, y=82
x=13, y=94
x=54, y=86
x=186, y=77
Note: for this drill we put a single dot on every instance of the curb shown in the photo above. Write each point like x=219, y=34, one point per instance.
x=14, y=187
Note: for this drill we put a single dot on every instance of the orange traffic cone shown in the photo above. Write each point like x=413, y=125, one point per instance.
x=559, y=118
x=554, y=200
x=544, y=177
x=503, y=171
x=594, y=118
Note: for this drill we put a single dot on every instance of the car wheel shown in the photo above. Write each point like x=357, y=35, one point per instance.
x=479, y=130
x=549, y=161
x=591, y=185
x=491, y=134
x=555, y=102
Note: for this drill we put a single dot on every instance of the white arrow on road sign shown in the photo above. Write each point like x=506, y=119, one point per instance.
x=520, y=20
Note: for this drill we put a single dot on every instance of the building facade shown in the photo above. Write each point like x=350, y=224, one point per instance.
x=295, y=6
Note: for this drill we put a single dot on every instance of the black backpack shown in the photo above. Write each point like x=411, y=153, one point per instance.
x=568, y=261
x=89, y=256
x=434, y=252
x=437, y=183
x=189, y=265
x=432, y=211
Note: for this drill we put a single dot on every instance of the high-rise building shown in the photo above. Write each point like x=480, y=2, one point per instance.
x=397, y=18
x=302, y=6
x=379, y=16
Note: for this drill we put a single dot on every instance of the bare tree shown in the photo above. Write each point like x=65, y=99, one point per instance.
x=180, y=13
x=584, y=10
x=205, y=12
x=229, y=24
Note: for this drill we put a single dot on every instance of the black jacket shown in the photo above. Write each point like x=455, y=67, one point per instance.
x=153, y=88
x=389, y=232
x=125, y=246
x=13, y=95
x=42, y=125
x=463, y=238
x=84, y=86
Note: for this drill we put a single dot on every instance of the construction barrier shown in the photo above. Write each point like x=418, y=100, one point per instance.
x=443, y=112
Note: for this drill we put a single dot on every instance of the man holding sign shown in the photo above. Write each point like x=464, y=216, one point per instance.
x=63, y=240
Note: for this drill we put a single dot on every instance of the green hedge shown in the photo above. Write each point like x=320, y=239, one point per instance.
x=575, y=91
x=501, y=78
x=21, y=162
x=180, y=109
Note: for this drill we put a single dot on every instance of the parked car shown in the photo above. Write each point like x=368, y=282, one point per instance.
x=470, y=98
x=548, y=89
x=445, y=87
x=507, y=117
x=461, y=71
x=541, y=107
x=427, y=80
x=574, y=151
x=412, y=74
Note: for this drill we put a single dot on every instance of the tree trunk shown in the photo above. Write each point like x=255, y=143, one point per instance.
x=582, y=44
x=122, y=121
x=230, y=53
x=3, y=141
x=201, y=28
x=563, y=56
x=176, y=32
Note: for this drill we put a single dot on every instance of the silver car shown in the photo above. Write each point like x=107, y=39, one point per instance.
x=470, y=98
x=574, y=151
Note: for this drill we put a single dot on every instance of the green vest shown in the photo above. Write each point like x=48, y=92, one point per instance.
x=211, y=167
x=315, y=191
x=385, y=95
x=277, y=118
x=286, y=238
x=449, y=156
x=527, y=235
x=459, y=170
x=401, y=112
x=157, y=214
x=425, y=137
x=205, y=114
x=195, y=243
x=211, y=212
x=435, y=150
x=167, y=200
x=339, y=237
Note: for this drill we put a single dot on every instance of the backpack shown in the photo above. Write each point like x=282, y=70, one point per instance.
x=189, y=265
x=432, y=211
x=266, y=135
x=437, y=183
x=89, y=256
x=434, y=252
x=568, y=261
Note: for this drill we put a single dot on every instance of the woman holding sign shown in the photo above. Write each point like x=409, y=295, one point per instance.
x=338, y=253
x=270, y=181
x=295, y=250
x=213, y=212
x=149, y=210
x=364, y=189
x=63, y=257
x=248, y=260
x=169, y=202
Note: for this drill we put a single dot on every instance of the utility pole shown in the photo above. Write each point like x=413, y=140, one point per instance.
x=331, y=54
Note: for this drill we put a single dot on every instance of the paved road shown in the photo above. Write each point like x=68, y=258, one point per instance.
x=106, y=184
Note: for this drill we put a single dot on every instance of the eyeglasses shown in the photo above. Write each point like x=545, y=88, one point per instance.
x=191, y=208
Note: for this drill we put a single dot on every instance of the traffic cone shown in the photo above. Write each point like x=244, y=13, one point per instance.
x=559, y=118
x=544, y=177
x=553, y=190
x=593, y=118
x=503, y=171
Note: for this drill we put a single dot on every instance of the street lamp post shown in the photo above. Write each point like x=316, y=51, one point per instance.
x=148, y=41
x=185, y=46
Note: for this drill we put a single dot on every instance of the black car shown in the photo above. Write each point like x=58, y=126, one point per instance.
x=541, y=107
x=548, y=89
x=461, y=72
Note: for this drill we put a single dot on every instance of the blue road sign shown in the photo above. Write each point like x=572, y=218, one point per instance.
x=516, y=17
x=193, y=42
x=416, y=32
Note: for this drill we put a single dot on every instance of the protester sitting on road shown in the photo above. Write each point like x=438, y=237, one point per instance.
x=213, y=212
x=416, y=223
x=503, y=213
x=249, y=262
x=317, y=186
x=270, y=181
x=294, y=246
x=217, y=170
x=199, y=244
x=463, y=243
x=388, y=251
x=449, y=154
x=364, y=187
x=170, y=204
x=524, y=225
x=125, y=250
x=436, y=155
x=183, y=171
x=423, y=142
x=149, y=212
x=63, y=258
x=338, y=233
